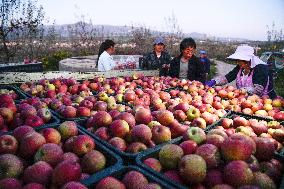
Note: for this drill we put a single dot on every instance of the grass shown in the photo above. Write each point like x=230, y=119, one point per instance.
x=279, y=83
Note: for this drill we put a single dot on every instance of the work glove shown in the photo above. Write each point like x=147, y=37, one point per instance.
x=210, y=83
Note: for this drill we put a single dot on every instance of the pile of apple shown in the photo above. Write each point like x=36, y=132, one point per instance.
x=50, y=88
x=11, y=93
x=32, y=112
x=140, y=128
x=217, y=160
x=50, y=158
x=252, y=105
x=131, y=179
x=272, y=130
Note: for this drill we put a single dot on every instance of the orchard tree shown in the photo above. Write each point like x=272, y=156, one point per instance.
x=275, y=37
x=20, y=23
x=175, y=33
x=142, y=38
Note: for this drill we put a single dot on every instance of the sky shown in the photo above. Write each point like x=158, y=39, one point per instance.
x=222, y=18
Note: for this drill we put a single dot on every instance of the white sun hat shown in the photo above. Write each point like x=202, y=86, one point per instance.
x=245, y=52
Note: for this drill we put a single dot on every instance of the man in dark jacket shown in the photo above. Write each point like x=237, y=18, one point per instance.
x=205, y=62
x=187, y=65
x=158, y=58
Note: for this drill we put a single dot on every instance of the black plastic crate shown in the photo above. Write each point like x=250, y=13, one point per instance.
x=282, y=183
x=119, y=172
x=36, y=67
x=215, y=124
x=61, y=118
x=232, y=114
x=20, y=94
x=128, y=158
x=250, y=116
x=52, y=122
x=173, y=88
x=113, y=160
x=154, y=153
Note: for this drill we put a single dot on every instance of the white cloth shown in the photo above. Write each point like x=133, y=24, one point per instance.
x=245, y=52
x=106, y=62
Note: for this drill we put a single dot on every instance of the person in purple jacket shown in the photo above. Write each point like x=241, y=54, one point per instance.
x=251, y=73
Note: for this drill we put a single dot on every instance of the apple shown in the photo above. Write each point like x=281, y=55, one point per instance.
x=261, y=113
x=223, y=93
x=188, y=147
x=209, y=118
x=237, y=147
x=8, y=144
x=217, y=105
x=21, y=131
x=119, y=128
x=196, y=134
x=65, y=172
x=237, y=173
x=192, y=113
x=258, y=127
x=240, y=121
x=278, y=134
x=83, y=144
x=247, y=111
x=177, y=129
x=276, y=103
x=182, y=106
x=34, y=121
x=118, y=143
x=30, y=143
x=170, y=156
x=68, y=129
x=44, y=114
x=50, y=153
x=192, y=168
x=143, y=116
x=6, y=114
x=12, y=165
x=51, y=135
x=215, y=139
x=199, y=122
x=279, y=116
x=165, y=117
x=227, y=123
x=136, y=147
x=109, y=182
x=161, y=134
x=265, y=149
x=141, y=133
x=83, y=111
x=69, y=112
x=102, y=119
x=210, y=154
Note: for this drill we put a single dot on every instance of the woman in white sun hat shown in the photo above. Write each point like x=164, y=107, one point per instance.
x=251, y=73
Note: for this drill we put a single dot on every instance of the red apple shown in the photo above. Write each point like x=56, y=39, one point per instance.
x=8, y=144
x=188, y=147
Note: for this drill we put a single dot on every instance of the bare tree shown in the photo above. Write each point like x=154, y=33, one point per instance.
x=172, y=27
x=141, y=37
x=8, y=25
x=20, y=22
x=82, y=35
x=275, y=38
x=32, y=30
